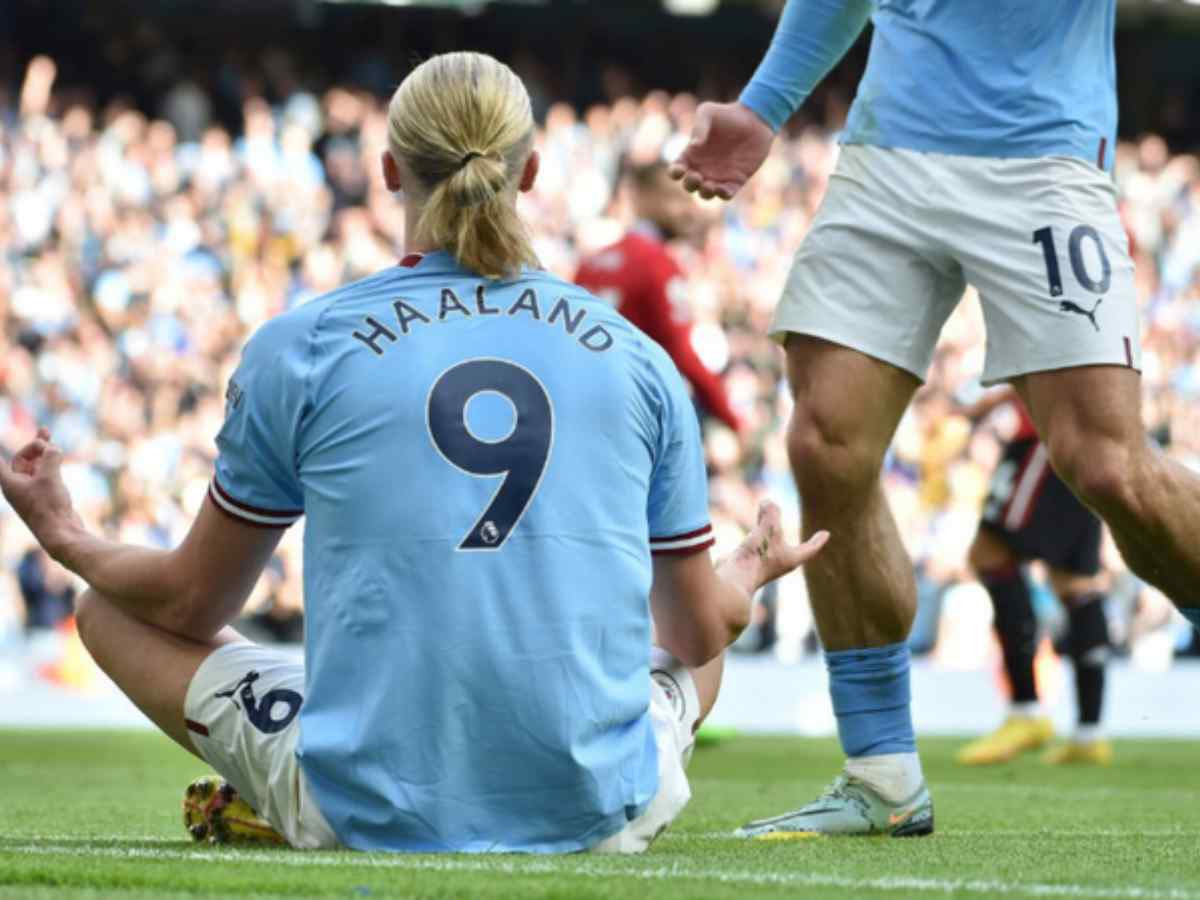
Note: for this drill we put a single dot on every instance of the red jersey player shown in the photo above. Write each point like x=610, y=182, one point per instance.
x=1031, y=514
x=641, y=279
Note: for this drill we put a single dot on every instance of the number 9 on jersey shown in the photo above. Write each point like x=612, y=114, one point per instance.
x=521, y=456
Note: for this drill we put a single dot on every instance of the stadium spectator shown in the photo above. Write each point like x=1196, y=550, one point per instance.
x=46, y=589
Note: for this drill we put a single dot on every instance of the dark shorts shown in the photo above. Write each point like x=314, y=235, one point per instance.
x=1032, y=512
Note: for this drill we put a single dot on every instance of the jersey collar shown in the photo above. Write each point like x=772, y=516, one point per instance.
x=434, y=261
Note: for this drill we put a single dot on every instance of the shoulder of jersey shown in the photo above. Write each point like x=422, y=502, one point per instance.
x=299, y=321
x=360, y=287
x=539, y=279
x=635, y=339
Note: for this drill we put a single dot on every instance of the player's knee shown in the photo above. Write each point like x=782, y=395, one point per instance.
x=829, y=460
x=1099, y=471
x=987, y=556
x=980, y=560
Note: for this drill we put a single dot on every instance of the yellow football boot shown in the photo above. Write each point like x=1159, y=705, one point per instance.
x=213, y=812
x=1080, y=753
x=1017, y=735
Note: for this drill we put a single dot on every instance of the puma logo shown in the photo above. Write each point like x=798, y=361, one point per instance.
x=1072, y=307
x=244, y=689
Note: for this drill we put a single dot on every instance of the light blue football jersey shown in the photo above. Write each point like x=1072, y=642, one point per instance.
x=484, y=468
x=999, y=78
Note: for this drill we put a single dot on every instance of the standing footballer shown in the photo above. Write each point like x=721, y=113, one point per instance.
x=1030, y=514
x=977, y=151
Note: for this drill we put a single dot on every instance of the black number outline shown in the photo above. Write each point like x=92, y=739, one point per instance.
x=504, y=474
x=258, y=710
x=260, y=715
x=1079, y=266
x=1045, y=237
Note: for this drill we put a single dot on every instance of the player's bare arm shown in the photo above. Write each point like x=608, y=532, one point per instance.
x=193, y=590
x=700, y=609
x=730, y=141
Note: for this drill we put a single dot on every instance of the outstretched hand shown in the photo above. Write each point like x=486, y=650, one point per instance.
x=32, y=484
x=728, y=145
x=765, y=554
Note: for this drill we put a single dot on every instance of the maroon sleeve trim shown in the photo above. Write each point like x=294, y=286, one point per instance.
x=682, y=537
x=243, y=515
x=685, y=551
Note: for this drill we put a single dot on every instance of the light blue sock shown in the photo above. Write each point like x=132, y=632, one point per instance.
x=1192, y=614
x=872, y=700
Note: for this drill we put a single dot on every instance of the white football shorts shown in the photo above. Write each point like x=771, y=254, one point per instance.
x=900, y=234
x=243, y=714
x=242, y=711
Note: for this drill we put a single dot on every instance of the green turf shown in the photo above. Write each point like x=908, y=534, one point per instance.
x=96, y=815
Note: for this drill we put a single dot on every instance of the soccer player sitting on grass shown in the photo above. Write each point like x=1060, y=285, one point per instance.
x=504, y=489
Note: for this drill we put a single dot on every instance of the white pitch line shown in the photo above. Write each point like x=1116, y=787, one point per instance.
x=579, y=867
x=99, y=838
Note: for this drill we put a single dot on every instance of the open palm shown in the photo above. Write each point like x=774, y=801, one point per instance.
x=729, y=142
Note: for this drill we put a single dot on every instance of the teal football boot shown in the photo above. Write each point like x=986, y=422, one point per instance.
x=849, y=807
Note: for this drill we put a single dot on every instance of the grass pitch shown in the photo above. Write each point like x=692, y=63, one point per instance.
x=97, y=815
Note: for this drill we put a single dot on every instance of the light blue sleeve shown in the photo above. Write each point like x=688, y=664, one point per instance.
x=811, y=37
x=677, y=508
x=256, y=477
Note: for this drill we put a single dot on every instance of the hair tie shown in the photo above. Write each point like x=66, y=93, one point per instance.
x=462, y=163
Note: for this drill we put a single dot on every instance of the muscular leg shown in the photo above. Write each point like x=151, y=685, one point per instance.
x=847, y=406
x=152, y=667
x=862, y=587
x=1090, y=419
x=862, y=590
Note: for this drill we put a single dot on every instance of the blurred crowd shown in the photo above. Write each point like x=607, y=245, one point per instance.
x=141, y=249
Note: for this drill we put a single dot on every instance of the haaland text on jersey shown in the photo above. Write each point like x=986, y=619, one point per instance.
x=408, y=318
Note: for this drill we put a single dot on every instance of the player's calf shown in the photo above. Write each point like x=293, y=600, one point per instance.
x=1102, y=471
x=1090, y=418
x=1088, y=645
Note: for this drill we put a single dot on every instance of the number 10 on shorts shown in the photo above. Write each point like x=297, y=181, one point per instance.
x=1079, y=234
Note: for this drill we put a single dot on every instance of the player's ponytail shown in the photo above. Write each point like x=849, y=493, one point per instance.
x=463, y=124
